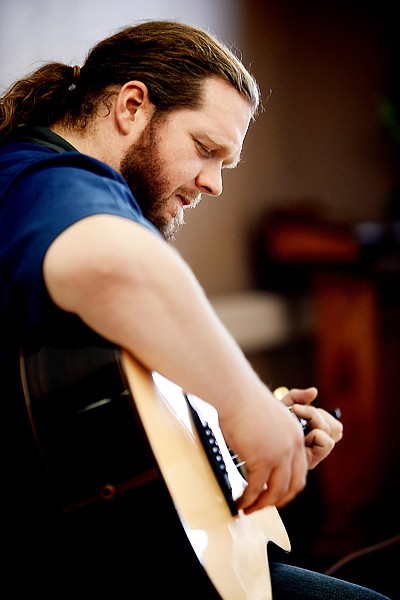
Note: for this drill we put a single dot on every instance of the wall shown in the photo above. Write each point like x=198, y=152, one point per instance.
x=36, y=31
x=318, y=138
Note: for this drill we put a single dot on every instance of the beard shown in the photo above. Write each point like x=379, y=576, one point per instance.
x=146, y=175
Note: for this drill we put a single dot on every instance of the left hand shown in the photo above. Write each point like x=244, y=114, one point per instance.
x=324, y=430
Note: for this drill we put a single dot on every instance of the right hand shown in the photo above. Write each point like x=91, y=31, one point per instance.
x=271, y=442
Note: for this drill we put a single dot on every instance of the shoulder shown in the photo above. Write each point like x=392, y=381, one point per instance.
x=39, y=179
x=25, y=159
x=42, y=193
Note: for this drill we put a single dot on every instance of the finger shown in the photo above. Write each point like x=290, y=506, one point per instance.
x=296, y=395
x=254, y=491
x=318, y=445
x=285, y=482
x=306, y=396
x=318, y=418
x=336, y=426
x=315, y=417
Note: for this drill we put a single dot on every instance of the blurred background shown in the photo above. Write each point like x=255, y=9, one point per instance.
x=300, y=256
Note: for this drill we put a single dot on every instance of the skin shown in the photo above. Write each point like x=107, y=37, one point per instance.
x=148, y=300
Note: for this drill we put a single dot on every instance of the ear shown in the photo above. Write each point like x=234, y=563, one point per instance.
x=133, y=106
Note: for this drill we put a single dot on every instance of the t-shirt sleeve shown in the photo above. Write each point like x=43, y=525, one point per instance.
x=44, y=202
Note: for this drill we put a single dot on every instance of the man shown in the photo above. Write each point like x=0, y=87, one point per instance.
x=98, y=165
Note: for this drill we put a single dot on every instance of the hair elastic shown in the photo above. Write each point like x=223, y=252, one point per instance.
x=75, y=77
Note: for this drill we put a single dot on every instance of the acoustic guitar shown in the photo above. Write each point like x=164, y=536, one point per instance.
x=106, y=426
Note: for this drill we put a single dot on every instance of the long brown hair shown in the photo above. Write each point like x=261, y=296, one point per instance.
x=171, y=58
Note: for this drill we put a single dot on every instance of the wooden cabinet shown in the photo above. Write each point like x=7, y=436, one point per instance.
x=346, y=362
x=354, y=497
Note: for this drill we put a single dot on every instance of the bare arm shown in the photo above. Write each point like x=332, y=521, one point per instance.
x=136, y=291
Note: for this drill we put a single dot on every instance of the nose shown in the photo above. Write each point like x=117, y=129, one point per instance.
x=209, y=180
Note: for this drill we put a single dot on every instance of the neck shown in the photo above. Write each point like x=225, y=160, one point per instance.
x=91, y=142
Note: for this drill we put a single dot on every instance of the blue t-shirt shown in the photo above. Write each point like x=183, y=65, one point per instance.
x=43, y=190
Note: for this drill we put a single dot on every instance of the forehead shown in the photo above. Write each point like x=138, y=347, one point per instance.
x=224, y=112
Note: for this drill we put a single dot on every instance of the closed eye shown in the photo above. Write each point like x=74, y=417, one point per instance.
x=208, y=152
x=204, y=151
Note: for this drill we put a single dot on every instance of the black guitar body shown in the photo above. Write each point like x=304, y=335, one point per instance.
x=115, y=532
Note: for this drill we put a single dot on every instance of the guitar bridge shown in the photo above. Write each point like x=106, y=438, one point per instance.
x=214, y=456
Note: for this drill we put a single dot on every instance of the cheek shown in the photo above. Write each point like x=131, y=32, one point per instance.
x=182, y=163
x=182, y=172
